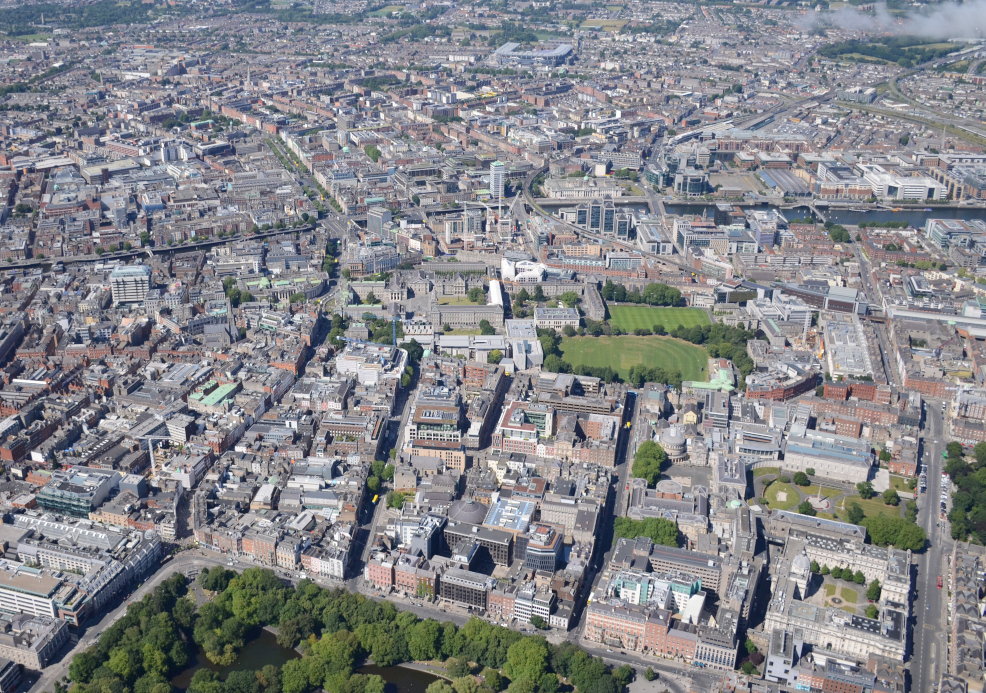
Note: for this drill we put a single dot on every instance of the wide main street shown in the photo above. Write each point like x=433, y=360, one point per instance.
x=929, y=642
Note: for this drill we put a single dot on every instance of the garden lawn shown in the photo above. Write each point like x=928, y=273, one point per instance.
x=793, y=497
x=621, y=353
x=766, y=470
x=629, y=318
x=848, y=594
x=899, y=483
x=872, y=507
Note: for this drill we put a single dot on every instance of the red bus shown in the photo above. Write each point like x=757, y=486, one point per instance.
x=939, y=582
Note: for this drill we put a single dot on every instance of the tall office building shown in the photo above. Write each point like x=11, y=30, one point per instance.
x=498, y=176
x=599, y=216
x=377, y=220
x=130, y=283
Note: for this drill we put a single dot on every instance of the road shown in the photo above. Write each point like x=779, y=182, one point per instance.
x=929, y=644
x=391, y=439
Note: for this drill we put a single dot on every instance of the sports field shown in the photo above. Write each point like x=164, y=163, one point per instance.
x=629, y=318
x=604, y=24
x=388, y=10
x=622, y=353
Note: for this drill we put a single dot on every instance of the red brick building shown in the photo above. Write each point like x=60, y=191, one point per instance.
x=501, y=602
x=929, y=387
x=380, y=572
x=262, y=547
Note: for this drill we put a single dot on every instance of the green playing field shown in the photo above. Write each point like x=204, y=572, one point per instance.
x=629, y=318
x=621, y=353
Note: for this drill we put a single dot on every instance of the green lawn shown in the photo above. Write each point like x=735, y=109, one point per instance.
x=848, y=594
x=760, y=471
x=629, y=318
x=872, y=507
x=388, y=10
x=621, y=353
x=457, y=301
x=28, y=38
x=899, y=483
x=829, y=589
x=792, y=500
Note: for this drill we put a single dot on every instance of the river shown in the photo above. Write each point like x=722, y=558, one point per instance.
x=264, y=650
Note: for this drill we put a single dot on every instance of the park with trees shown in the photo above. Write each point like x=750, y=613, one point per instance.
x=335, y=631
x=968, y=473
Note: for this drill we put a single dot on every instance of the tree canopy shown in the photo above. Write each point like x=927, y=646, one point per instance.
x=968, y=514
x=894, y=531
x=655, y=294
x=648, y=461
x=336, y=631
x=657, y=529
